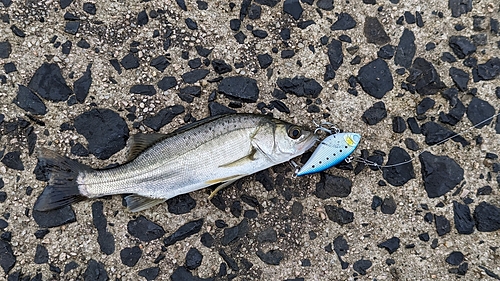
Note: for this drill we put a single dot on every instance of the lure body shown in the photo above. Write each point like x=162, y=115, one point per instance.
x=330, y=152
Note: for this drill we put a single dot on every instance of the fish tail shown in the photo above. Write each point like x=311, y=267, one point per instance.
x=62, y=188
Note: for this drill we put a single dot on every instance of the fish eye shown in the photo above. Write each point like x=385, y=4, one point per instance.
x=294, y=132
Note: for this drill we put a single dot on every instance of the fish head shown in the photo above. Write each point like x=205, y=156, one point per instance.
x=284, y=141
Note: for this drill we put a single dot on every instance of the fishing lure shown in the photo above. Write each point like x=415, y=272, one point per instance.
x=332, y=150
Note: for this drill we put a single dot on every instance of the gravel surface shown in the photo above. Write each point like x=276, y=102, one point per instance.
x=81, y=77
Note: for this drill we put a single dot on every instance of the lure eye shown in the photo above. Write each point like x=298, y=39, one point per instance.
x=294, y=132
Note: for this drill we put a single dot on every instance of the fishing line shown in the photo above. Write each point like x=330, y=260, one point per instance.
x=371, y=163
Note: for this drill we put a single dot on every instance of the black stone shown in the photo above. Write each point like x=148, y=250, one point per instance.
x=386, y=52
x=293, y=8
x=167, y=83
x=239, y=88
x=272, y=257
x=130, y=61
x=487, y=217
x=181, y=204
x=182, y=273
x=459, y=7
x=300, y=86
x=333, y=186
x=40, y=234
x=335, y=55
x=183, y=232
x=339, y=215
x=240, y=37
x=376, y=78
x=270, y=3
x=430, y=46
x=435, y=133
x=89, y=8
x=265, y=179
x=411, y=144
x=83, y=44
x=376, y=202
x=461, y=46
x=54, y=218
x=455, y=258
x=424, y=237
x=235, y=24
x=460, y=78
x=194, y=63
x=5, y=49
x=406, y=49
x=250, y=214
x=72, y=27
x=361, y=266
x=326, y=5
x=82, y=85
x=305, y=24
x=375, y=114
x=280, y=106
x=130, y=256
x=13, y=160
x=437, y=168
x=29, y=101
x=41, y=254
x=229, y=260
x=160, y=63
x=344, y=22
x=116, y=65
x=462, y=218
x=142, y=18
x=254, y=12
x=409, y=17
x=95, y=271
x=479, y=111
x=480, y=39
x=267, y=235
x=194, y=75
x=144, y=229
x=193, y=259
x=442, y=225
x=485, y=190
x=207, y=240
x=448, y=57
x=425, y=77
x=259, y=33
x=286, y=54
x=389, y=206
x=374, y=31
x=148, y=90
x=400, y=174
x=104, y=238
x=390, y=245
x=191, y=24
x=163, y=117
x=221, y=67
x=488, y=70
x=70, y=266
x=7, y=257
x=49, y=83
x=202, y=51
x=424, y=105
x=398, y=125
x=413, y=125
x=9, y=67
x=79, y=150
x=182, y=5
x=219, y=109
x=149, y=273
x=105, y=131
x=66, y=47
x=17, y=31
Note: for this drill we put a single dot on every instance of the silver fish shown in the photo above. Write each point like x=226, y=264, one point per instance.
x=215, y=150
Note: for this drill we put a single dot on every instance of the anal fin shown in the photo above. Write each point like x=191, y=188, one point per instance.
x=136, y=203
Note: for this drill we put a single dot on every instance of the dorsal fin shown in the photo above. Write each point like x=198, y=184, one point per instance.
x=140, y=142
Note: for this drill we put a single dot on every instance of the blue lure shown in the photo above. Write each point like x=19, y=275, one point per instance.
x=331, y=151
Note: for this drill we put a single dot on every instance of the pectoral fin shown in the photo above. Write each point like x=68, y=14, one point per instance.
x=242, y=161
x=225, y=182
x=136, y=203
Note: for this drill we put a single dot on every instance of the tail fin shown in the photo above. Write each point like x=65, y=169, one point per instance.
x=62, y=189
